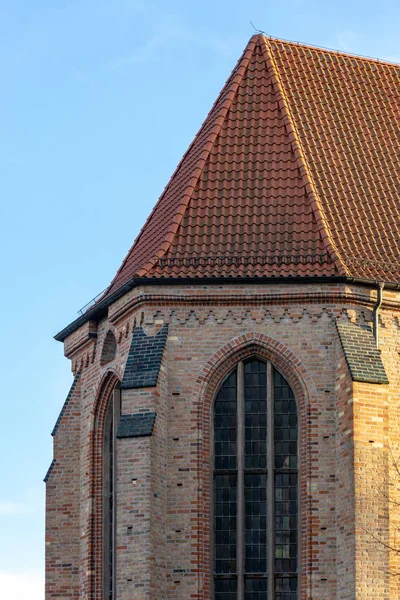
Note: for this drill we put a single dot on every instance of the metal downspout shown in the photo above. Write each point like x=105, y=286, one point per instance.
x=377, y=306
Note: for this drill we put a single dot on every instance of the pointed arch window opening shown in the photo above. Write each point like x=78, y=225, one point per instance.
x=255, y=486
x=109, y=494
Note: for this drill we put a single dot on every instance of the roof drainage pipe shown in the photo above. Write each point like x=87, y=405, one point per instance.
x=377, y=306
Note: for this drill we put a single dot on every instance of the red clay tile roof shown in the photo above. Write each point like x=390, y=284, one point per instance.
x=295, y=172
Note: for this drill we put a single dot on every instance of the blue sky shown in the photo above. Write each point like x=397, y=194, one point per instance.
x=99, y=101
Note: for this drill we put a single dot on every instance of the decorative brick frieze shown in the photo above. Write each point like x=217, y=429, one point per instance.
x=85, y=355
x=85, y=335
x=280, y=296
x=194, y=306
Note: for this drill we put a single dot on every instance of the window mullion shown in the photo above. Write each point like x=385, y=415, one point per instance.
x=240, y=548
x=270, y=481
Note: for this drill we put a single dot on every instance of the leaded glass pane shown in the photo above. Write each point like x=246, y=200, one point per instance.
x=255, y=395
x=285, y=424
x=285, y=486
x=286, y=523
x=255, y=493
x=225, y=589
x=286, y=588
x=264, y=479
x=225, y=523
x=225, y=425
x=256, y=589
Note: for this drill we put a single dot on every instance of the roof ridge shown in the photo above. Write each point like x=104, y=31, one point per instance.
x=322, y=225
x=340, y=53
x=231, y=87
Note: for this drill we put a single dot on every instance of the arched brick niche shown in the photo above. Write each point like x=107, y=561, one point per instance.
x=109, y=382
x=109, y=349
x=209, y=381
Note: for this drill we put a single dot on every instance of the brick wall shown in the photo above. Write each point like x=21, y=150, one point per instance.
x=370, y=404
x=63, y=503
x=344, y=501
x=166, y=554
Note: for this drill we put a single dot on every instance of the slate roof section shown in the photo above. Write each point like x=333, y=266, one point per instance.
x=49, y=470
x=137, y=425
x=65, y=405
x=293, y=173
x=144, y=359
x=362, y=356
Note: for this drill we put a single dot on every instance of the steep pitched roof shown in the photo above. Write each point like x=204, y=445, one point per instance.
x=295, y=172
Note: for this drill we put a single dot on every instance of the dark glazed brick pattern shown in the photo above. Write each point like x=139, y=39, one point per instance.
x=362, y=357
x=144, y=359
x=64, y=408
x=49, y=470
x=138, y=425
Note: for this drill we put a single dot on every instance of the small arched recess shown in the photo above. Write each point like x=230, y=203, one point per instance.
x=101, y=581
x=109, y=349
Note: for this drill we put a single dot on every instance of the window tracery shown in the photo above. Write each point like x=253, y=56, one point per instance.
x=255, y=486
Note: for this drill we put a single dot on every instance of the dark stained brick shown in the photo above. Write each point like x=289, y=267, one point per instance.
x=137, y=425
x=49, y=470
x=144, y=359
x=362, y=357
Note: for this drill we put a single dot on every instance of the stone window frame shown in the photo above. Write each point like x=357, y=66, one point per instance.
x=270, y=367
x=217, y=367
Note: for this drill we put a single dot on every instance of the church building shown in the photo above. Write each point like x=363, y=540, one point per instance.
x=232, y=428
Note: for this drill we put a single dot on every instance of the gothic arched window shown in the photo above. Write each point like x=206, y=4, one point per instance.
x=109, y=496
x=255, y=486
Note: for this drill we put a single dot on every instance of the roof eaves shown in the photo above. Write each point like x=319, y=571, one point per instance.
x=99, y=309
x=96, y=311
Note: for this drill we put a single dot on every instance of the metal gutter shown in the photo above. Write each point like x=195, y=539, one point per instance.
x=99, y=310
x=377, y=306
